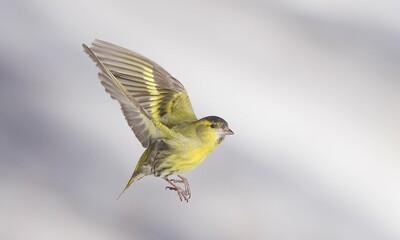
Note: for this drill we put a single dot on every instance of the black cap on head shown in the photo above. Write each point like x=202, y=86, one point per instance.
x=215, y=119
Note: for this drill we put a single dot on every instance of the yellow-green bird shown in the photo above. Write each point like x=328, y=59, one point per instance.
x=158, y=110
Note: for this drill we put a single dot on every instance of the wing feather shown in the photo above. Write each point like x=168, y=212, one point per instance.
x=159, y=94
x=141, y=122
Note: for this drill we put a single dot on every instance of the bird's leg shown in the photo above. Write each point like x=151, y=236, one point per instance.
x=185, y=183
x=187, y=187
x=181, y=193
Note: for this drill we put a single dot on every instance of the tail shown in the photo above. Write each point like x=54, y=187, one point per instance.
x=141, y=171
x=134, y=178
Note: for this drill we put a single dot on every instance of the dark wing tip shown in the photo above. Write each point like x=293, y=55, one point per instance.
x=85, y=47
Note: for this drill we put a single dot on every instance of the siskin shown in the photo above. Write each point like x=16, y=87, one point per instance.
x=158, y=110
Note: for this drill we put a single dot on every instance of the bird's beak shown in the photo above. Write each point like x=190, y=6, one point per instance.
x=228, y=132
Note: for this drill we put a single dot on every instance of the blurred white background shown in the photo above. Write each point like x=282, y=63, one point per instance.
x=311, y=89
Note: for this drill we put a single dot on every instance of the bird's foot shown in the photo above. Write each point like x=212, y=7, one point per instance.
x=183, y=194
x=185, y=183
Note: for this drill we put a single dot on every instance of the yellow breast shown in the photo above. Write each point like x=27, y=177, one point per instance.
x=190, y=148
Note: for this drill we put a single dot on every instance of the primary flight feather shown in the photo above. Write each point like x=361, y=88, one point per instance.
x=158, y=110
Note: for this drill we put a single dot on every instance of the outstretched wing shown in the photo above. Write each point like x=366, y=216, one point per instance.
x=162, y=96
x=146, y=129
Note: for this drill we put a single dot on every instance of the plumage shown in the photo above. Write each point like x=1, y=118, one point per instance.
x=158, y=110
x=153, y=87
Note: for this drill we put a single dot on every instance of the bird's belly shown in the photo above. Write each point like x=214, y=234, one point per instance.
x=182, y=160
x=190, y=159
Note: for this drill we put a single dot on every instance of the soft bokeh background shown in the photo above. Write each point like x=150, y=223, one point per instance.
x=311, y=89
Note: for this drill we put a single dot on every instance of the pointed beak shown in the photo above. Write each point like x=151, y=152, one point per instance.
x=228, y=132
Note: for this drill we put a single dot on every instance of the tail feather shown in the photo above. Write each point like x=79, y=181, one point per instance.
x=134, y=178
x=143, y=167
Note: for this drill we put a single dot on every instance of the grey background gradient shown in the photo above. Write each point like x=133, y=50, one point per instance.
x=311, y=89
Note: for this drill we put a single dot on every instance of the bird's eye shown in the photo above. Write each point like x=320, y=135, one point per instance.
x=213, y=125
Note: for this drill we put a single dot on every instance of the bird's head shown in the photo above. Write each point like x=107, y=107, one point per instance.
x=213, y=128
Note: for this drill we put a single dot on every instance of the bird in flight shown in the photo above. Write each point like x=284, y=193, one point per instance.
x=158, y=110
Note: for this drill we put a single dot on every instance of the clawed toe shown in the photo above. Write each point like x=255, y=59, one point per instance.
x=183, y=194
